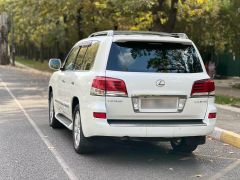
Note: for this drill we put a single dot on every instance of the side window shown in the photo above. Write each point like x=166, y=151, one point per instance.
x=90, y=56
x=80, y=57
x=69, y=63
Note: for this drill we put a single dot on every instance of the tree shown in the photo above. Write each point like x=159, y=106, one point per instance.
x=49, y=28
x=4, y=58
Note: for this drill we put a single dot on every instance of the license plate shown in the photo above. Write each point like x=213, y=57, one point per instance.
x=161, y=104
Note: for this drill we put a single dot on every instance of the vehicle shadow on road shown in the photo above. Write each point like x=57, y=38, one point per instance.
x=136, y=147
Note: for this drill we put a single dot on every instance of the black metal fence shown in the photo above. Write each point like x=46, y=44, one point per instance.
x=227, y=64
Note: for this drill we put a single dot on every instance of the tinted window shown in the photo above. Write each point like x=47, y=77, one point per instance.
x=90, y=56
x=69, y=63
x=153, y=57
x=80, y=58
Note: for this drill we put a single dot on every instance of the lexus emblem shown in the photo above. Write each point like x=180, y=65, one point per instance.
x=160, y=83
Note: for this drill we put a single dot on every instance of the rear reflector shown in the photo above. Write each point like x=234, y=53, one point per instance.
x=100, y=115
x=203, y=87
x=212, y=115
x=108, y=86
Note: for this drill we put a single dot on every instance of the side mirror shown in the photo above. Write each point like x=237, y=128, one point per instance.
x=54, y=64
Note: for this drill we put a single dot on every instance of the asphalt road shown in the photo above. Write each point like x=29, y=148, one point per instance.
x=30, y=149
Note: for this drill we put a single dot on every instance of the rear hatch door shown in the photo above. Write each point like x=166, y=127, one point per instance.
x=158, y=77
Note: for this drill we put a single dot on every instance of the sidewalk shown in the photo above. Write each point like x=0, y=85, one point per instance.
x=32, y=70
x=224, y=87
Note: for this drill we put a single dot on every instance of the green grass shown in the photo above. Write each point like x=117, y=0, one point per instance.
x=227, y=100
x=42, y=66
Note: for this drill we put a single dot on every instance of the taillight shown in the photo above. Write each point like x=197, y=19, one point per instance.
x=108, y=86
x=205, y=87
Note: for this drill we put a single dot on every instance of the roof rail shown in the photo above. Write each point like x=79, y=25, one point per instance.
x=102, y=33
x=112, y=33
x=181, y=35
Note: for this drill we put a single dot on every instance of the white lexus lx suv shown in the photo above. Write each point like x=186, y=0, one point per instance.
x=133, y=84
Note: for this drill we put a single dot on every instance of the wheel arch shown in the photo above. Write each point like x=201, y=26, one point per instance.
x=75, y=102
x=50, y=90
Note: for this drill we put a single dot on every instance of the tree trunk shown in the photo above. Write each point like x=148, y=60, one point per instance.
x=41, y=52
x=79, y=23
x=170, y=12
x=172, y=17
x=4, y=57
x=157, y=26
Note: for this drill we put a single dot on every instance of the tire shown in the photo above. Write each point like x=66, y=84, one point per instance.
x=81, y=144
x=184, y=145
x=53, y=122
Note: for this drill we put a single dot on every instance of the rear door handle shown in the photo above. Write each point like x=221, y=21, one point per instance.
x=72, y=83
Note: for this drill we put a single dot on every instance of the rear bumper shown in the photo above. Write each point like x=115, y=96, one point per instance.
x=101, y=127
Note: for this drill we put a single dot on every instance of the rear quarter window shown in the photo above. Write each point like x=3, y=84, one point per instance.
x=153, y=57
x=90, y=55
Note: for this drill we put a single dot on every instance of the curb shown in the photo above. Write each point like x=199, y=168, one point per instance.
x=227, y=137
x=228, y=107
x=35, y=71
x=236, y=105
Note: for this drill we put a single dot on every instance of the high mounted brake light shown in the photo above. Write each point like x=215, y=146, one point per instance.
x=205, y=87
x=108, y=86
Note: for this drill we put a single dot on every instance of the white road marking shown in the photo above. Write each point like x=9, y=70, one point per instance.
x=58, y=157
x=226, y=170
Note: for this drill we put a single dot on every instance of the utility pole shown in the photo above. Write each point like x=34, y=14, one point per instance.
x=4, y=58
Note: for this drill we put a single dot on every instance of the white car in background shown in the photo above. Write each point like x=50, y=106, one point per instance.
x=133, y=84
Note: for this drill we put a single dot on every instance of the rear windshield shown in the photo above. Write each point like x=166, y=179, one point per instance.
x=153, y=57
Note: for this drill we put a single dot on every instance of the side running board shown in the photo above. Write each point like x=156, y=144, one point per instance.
x=65, y=121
